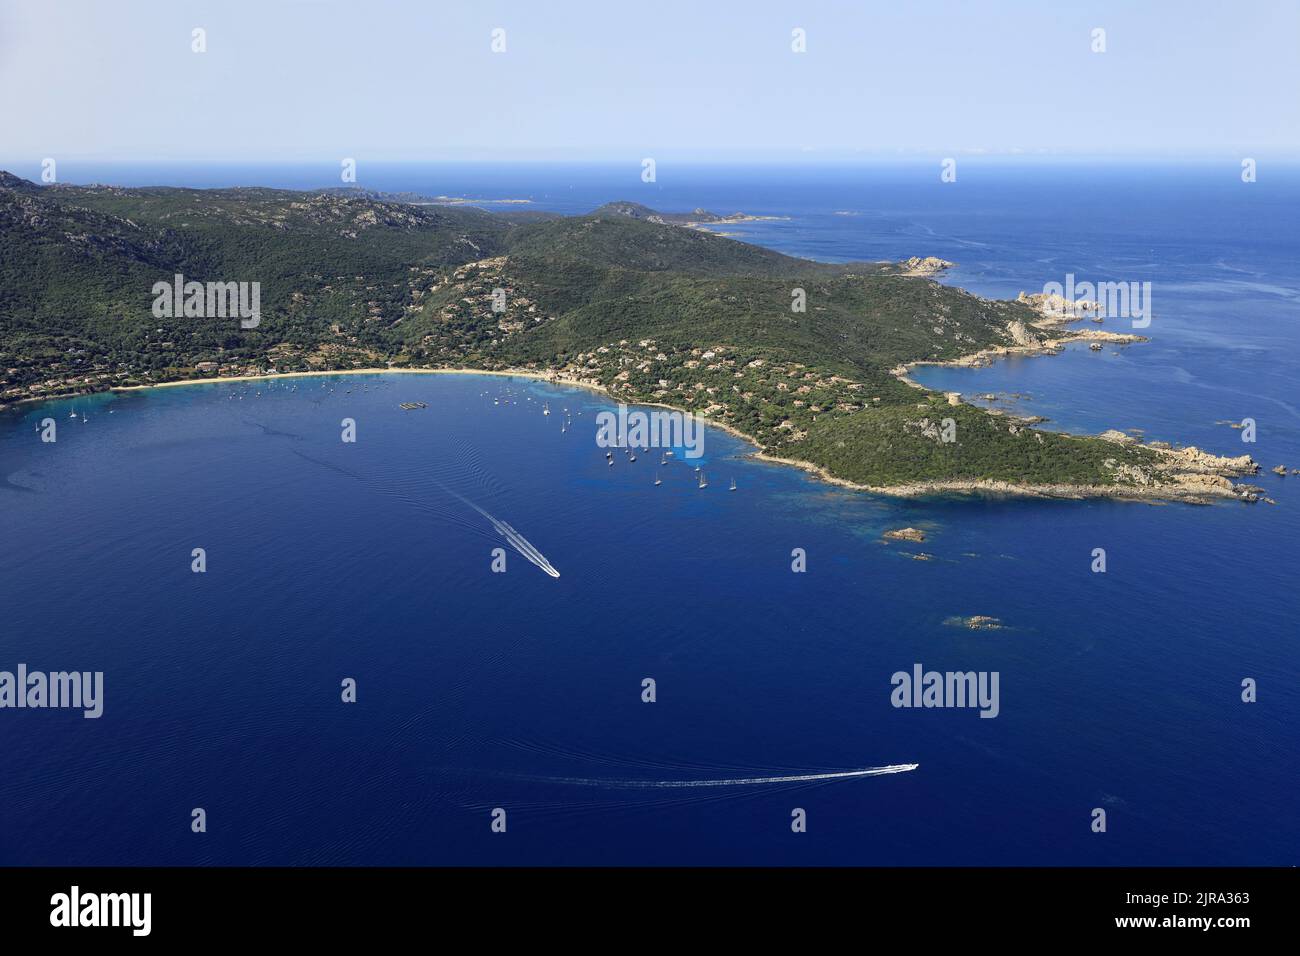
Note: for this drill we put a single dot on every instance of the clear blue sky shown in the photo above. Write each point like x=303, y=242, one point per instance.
x=416, y=79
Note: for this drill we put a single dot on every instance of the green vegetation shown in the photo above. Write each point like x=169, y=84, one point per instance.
x=895, y=446
x=649, y=310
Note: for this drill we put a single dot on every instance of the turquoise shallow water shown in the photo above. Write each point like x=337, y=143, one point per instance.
x=328, y=561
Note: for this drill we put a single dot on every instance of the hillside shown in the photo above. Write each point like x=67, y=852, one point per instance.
x=625, y=299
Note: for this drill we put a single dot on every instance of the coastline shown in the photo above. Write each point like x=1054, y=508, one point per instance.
x=1209, y=471
x=1198, y=463
x=1198, y=494
x=549, y=377
x=990, y=355
x=922, y=489
x=524, y=373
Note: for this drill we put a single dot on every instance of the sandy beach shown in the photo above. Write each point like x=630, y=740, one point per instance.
x=520, y=373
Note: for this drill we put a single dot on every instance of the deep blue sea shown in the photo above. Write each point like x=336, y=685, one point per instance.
x=479, y=690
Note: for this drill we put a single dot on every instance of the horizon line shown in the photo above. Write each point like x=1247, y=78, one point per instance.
x=808, y=159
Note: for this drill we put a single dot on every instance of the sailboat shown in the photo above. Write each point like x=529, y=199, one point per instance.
x=733, y=484
x=546, y=408
x=657, y=481
x=72, y=414
x=704, y=480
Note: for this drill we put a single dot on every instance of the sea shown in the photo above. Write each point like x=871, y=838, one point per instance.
x=352, y=680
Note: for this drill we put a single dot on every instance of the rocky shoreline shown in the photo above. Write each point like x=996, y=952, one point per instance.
x=1188, y=489
x=923, y=267
x=1028, y=341
x=1184, y=474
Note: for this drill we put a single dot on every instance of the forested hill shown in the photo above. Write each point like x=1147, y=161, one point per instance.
x=644, y=304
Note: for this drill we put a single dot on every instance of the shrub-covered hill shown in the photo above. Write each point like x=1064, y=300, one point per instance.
x=640, y=304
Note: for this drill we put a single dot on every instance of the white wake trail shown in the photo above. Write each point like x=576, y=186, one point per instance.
x=517, y=540
x=730, y=782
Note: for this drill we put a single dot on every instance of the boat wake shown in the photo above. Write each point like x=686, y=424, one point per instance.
x=517, y=540
x=727, y=782
x=520, y=544
x=394, y=489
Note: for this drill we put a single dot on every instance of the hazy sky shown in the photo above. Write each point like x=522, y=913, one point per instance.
x=417, y=79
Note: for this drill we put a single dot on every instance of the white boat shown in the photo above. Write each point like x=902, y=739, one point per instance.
x=733, y=484
x=657, y=481
x=704, y=480
x=546, y=409
x=72, y=414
